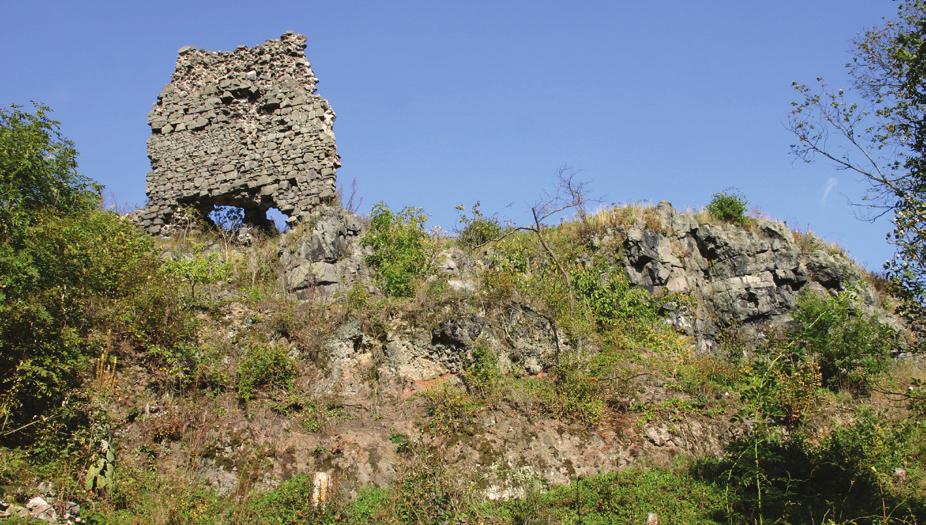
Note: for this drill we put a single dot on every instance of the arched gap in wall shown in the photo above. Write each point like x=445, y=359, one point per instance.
x=229, y=218
x=279, y=219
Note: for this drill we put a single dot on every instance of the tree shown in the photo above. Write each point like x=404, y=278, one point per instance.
x=38, y=171
x=877, y=129
x=72, y=278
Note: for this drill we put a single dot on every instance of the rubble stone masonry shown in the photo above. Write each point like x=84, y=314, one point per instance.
x=243, y=128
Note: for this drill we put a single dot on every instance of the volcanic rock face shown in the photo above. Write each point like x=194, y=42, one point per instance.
x=242, y=128
x=746, y=279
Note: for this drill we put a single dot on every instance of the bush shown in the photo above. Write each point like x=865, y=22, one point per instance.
x=451, y=409
x=575, y=393
x=400, y=246
x=482, y=376
x=427, y=492
x=478, y=229
x=290, y=503
x=610, y=297
x=849, y=343
x=780, y=387
x=624, y=497
x=728, y=207
x=38, y=172
x=75, y=270
x=198, y=269
x=67, y=271
x=846, y=477
x=264, y=366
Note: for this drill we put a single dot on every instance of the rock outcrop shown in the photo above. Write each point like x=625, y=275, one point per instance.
x=324, y=256
x=242, y=128
x=743, y=278
x=730, y=279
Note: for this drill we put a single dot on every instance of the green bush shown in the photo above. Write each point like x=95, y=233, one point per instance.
x=288, y=504
x=482, y=376
x=68, y=270
x=264, y=366
x=38, y=172
x=477, y=229
x=846, y=477
x=75, y=270
x=728, y=207
x=451, y=409
x=198, y=269
x=401, y=251
x=610, y=297
x=429, y=493
x=146, y=496
x=574, y=394
x=623, y=497
x=849, y=343
x=780, y=387
x=367, y=507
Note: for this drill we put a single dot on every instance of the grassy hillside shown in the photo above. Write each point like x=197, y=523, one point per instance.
x=501, y=375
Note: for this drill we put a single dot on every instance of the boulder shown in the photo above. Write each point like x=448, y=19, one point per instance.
x=325, y=255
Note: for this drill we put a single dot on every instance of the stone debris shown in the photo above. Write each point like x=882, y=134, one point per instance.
x=40, y=509
x=243, y=128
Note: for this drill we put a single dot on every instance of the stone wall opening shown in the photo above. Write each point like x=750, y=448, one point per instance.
x=233, y=218
x=228, y=218
x=280, y=219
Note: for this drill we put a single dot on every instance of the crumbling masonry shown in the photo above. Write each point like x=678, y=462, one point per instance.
x=242, y=128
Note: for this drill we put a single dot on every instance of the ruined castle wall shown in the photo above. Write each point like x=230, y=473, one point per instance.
x=242, y=128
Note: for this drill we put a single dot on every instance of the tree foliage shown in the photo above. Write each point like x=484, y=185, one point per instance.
x=38, y=170
x=72, y=276
x=877, y=129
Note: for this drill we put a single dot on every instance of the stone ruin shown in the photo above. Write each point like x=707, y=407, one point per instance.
x=243, y=128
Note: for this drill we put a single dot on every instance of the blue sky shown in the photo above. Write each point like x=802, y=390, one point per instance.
x=441, y=103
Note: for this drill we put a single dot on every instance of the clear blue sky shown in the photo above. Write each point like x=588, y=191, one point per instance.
x=441, y=103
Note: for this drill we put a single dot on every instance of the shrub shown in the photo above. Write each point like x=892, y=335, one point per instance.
x=75, y=269
x=198, y=269
x=576, y=394
x=849, y=343
x=67, y=269
x=290, y=503
x=482, y=376
x=610, y=297
x=728, y=207
x=38, y=172
x=264, y=366
x=780, y=387
x=427, y=492
x=401, y=250
x=846, y=477
x=624, y=497
x=367, y=506
x=451, y=409
x=157, y=315
x=477, y=229
x=145, y=496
